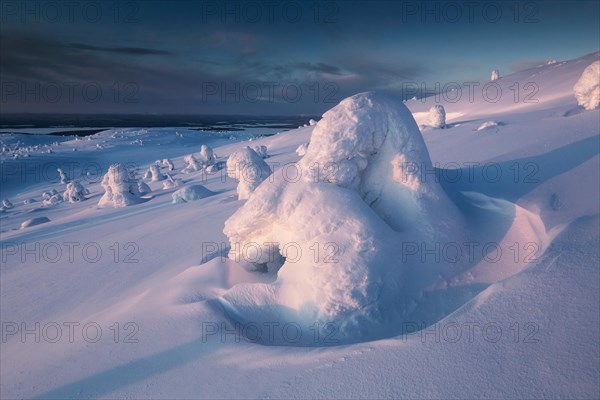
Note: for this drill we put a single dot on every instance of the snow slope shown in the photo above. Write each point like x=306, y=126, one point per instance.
x=520, y=324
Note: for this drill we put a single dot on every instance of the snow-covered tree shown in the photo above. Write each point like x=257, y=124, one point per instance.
x=587, y=88
x=168, y=163
x=63, y=176
x=120, y=189
x=75, y=192
x=495, y=75
x=261, y=151
x=249, y=169
x=207, y=156
x=191, y=164
x=171, y=182
x=437, y=116
x=154, y=174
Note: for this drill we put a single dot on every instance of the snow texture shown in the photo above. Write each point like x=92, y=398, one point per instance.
x=587, y=88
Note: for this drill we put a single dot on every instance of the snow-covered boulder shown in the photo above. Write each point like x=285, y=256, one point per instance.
x=249, y=169
x=143, y=188
x=190, y=193
x=587, y=88
x=75, y=192
x=437, y=116
x=6, y=204
x=301, y=150
x=34, y=221
x=333, y=236
x=120, y=189
x=495, y=75
x=261, y=151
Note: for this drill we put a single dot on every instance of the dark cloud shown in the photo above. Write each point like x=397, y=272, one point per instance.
x=121, y=50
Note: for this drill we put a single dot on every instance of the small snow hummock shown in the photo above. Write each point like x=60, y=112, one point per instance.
x=120, y=189
x=53, y=200
x=190, y=193
x=487, y=124
x=587, y=88
x=312, y=122
x=75, y=192
x=6, y=204
x=301, y=150
x=261, y=151
x=34, y=221
x=249, y=169
x=332, y=235
x=495, y=75
x=437, y=116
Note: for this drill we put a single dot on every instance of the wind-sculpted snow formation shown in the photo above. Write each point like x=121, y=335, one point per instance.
x=333, y=235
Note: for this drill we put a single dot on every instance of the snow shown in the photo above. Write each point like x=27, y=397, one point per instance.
x=301, y=150
x=522, y=324
x=34, y=221
x=75, y=192
x=587, y=88
x=487, y=124
x=191, y=193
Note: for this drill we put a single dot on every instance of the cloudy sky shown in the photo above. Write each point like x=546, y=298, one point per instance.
x=271, y=57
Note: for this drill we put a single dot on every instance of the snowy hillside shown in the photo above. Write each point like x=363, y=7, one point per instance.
x=391, y=260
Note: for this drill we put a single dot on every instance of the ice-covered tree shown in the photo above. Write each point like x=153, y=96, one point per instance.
x=191, y=164
x=587, y=88
x=249, y=169
x=437, y=116
x=153, y=173
x=120, y=189
x=495, y=75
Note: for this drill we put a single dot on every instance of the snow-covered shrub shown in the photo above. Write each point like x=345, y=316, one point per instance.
x=34, y=221
x=75, y=192
x=487, y=124
x=63, y=176
x=552, y=62
x=53, y=200
x=7, y=204
x=171, y=182
x=437, y=116
x=191, y=164
x=301, y=150
x=495, y=75
x=153, y=173
x=334, y=236
x=29, y=201
x=120, y=189
x=261, y=151
x=312, y=122
x=168, y=163
x=249, y=169
x=207, y=156
x=587, y=88
x=190, y=193
x=48, y=194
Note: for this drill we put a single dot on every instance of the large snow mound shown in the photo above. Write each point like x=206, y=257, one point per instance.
x=332, y=232
x=190, y=193
x=587, y=88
